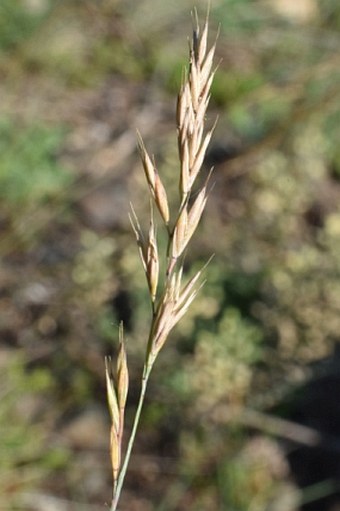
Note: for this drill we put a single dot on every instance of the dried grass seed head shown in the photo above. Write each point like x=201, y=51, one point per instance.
x=152, y=262
x=156, y=186
x=111, y=393
x=122, y=374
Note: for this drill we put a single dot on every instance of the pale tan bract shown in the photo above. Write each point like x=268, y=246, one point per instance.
x=117, y=387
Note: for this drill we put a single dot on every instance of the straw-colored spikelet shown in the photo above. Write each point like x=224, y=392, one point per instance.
x=155, y=184
x=188, y=221
x=192, y=104
x=172, y=307
x=148, y=251
x=117, y=390
x=152, y=262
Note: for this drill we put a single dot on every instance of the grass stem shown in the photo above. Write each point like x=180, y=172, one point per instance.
x=121, y=478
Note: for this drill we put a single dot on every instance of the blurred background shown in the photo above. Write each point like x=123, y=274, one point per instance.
x=243, y=409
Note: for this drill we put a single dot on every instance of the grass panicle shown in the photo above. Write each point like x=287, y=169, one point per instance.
x=170, y=297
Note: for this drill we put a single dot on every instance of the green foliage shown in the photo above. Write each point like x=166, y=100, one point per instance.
x=331, y=129
x=245, y=480
x=230, y=87
x=330, y=13
x=114, y=57
x=239, y=16
x=26, y=455
x=221, y=367
x=29, y=171
x=17, y=23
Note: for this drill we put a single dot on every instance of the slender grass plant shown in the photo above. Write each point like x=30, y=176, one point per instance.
x=170, y=297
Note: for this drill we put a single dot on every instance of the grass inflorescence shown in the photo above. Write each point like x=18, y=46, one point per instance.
x=170, y=295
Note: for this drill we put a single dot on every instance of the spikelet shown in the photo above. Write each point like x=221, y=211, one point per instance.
x=174, y=304
x=152, y=261
x=179, y=240
x=122, y=373
x=117, y=390
x=154, y=181
x=148, y=251
x=192, y=104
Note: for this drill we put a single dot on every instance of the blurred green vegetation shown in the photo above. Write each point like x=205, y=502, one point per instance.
x=17, y=24
x=27, y=455
x=29, y=170
x=77, y=79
